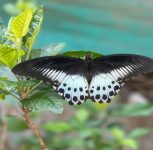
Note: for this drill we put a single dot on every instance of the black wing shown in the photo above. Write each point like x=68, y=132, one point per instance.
x=111, y=71
x=66, y=73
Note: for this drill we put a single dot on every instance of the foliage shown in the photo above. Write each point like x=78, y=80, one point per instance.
x=133, y=110
x=9, y=55
x=90, y=127
x=34, y=27
x=44, y=99
x=81, y=54
x=19, y=25
x=85, y=130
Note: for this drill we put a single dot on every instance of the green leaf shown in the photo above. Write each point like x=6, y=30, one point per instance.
x=6, y=86
x=27, y=83
x=118, y=133
x=139, y=132
x=131, y=143
x=82, y=115
x=16, y=124
x=34, y=27
x=57, y=127
x=19, y=25
x=2, y=95
x=9, y=56
x=81, y=54
x=89, y=132
x=44, y=100
x=132, y=110
x=77, y=143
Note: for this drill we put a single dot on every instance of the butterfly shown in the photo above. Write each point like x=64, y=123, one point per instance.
x=77, y=80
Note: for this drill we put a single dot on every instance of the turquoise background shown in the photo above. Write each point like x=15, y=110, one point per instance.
x=105, y=26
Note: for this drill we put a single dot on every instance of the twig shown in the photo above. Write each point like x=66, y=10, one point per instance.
x=34, y=87
x=3, y=139
x=34, y=128
x=3, y=135
x=13, y=95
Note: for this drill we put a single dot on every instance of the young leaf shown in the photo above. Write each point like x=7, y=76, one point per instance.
x=9, y=56
x=82, y=115
x=131, y=143
x=34, y=28
x=117, y=133
x=19, y=25
x=44, y=100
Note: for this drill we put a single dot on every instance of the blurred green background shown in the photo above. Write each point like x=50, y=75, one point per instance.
x=112, y=26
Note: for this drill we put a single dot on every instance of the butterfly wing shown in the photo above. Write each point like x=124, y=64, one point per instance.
x=67, y=75
x=110, y=73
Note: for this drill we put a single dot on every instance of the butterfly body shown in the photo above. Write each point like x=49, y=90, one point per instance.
x=77, y=80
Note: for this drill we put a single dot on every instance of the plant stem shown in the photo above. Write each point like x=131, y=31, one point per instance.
x=14, y=96
x=34, y=87
x=28, y=54
x=34, y=128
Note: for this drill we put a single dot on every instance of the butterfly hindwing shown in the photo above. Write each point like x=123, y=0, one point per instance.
x=103, y=87
x=73, y=88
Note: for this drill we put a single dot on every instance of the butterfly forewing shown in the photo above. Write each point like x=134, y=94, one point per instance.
x=124, y=66
x=65, y=73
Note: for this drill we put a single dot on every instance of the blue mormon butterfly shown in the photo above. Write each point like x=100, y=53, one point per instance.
x=77, y=80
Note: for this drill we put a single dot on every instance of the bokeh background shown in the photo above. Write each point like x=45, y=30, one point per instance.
x=106, y=27
x=112, y=26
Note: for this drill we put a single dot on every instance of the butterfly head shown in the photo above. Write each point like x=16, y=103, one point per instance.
x=88, y=57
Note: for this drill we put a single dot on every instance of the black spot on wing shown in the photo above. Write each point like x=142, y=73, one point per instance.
x=104, y=88
x=81, y=97
x=104, y=97
x=97, y=96
x=98, y=88
x=67, y=96
x=81, y=89
x=69, y=89
x=75, y=99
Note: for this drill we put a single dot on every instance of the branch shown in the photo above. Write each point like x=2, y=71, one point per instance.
x=4, y=132
x=34, y=128
x=3, y=139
